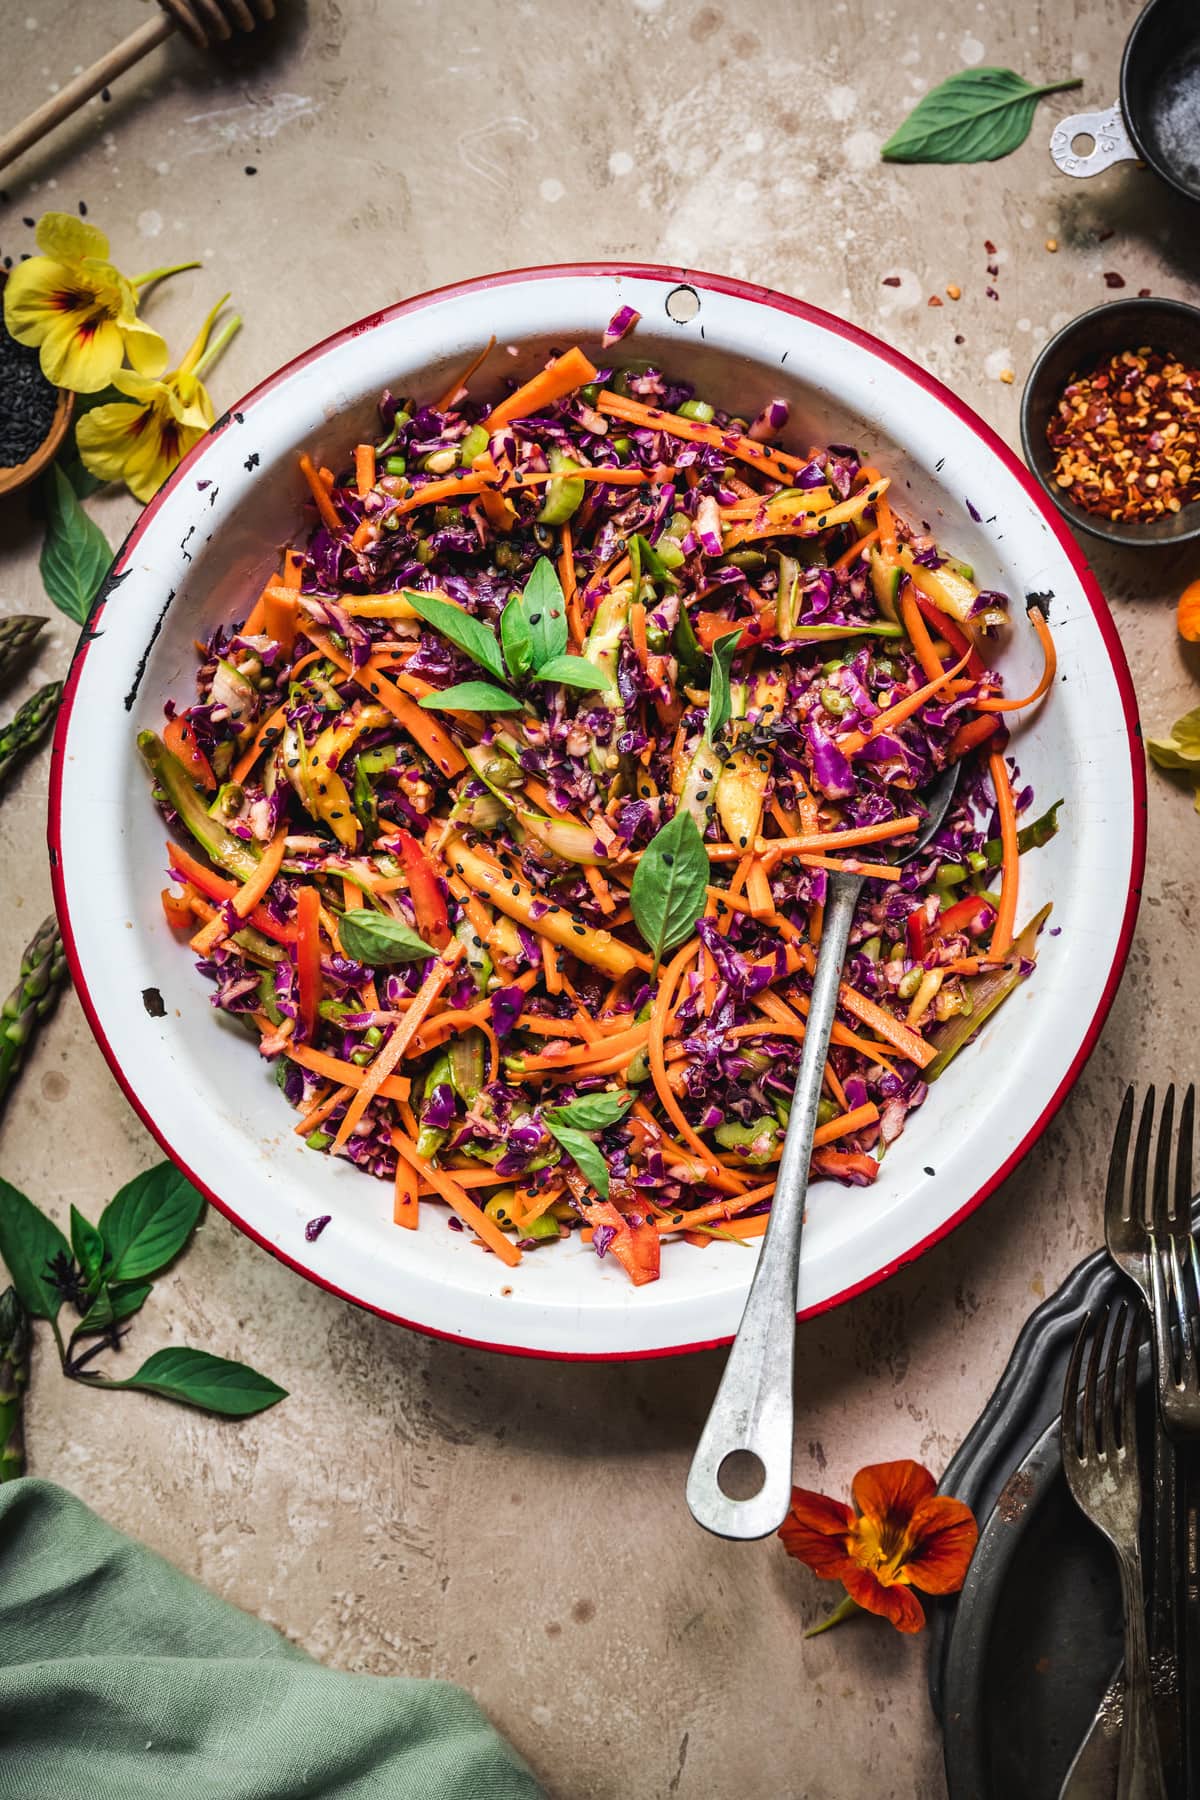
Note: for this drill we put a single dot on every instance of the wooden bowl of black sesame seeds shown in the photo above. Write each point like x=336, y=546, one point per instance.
x=34, y=414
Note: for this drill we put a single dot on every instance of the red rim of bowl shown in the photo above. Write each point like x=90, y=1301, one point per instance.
x=853, y=334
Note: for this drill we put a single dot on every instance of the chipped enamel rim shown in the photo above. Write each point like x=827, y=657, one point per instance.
x=202, y=543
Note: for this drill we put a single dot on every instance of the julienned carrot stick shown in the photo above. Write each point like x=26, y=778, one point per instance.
x=391, y=1052
x=566, y=929
x=890, y=1029
x=856, y=549
x=1037, y=619
x=852, y=741
x=317, y=1115
x=845, y=1162
x=396, y=1087
x=918, y=631
x=820, y=841
x=436, y=743
x=293, y=568
x=758, y=890
x=677, y=1219
x=253, y=890
x=776, y=463
x=458, y=386
x=551, y=974
x=457, y=1197
x=280, y=615
x=1006, y=911
x=449, y=487
x=578, y=1054
x=447, y=1024
x=971, y=735
x=364, y=469
x=329, y=514
x=849, y=865
x=405, y=1206
x=571, y=370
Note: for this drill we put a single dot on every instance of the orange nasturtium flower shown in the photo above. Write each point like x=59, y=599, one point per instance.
x=79, y=309
x=899, y=1535
x=142, y=439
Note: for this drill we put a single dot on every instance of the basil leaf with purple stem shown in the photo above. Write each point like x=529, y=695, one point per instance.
x=29, y=1244
x=210, y=1382
x=670, y=885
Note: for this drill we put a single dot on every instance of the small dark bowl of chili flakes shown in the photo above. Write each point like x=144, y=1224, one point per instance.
x=1110, y=421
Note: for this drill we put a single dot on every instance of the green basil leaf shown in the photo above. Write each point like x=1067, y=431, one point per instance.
x=75, y=553
x=109, y=1308
x=29, y=1243
x=376, y=938
x=591, y=1112
x=472, y=696
x=670, y=886
x=975, y=116
x=209, y=1382
x=87, y=1244
x=471, y=636
x=580, y=1148
x=544, y=607
x=148, y=1222
x=576, y=672
x=720, y=703
x=516, y=638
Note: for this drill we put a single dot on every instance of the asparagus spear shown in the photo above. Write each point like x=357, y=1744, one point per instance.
x=18, y=635
x=43, y=971
x=30, y=724
x=14, y=1379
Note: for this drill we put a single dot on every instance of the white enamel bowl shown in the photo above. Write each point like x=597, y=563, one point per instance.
x=200, y=553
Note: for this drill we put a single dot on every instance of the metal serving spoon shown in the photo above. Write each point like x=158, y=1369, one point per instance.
x=753, y=1408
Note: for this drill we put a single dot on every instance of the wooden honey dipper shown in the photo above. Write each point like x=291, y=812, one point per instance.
x=205, y=22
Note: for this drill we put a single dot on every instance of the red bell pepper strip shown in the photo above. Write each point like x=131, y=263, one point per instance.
x=308, y=957
x=425, y=892
x=945, y=627
x=916, y=932
x=180, y=740
x=973, y=915
x=219, y=887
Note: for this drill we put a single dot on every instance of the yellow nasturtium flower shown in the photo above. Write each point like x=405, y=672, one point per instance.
x=142, y=441
x=79, y=309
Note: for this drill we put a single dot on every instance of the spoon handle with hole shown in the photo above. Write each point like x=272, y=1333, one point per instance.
x=753, y=1408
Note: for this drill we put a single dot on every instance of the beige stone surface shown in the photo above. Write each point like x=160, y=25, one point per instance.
x=416, y=1507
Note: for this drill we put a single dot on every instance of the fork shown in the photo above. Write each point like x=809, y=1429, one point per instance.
x=1127, y=1222
x=1172, y=1251
x=1099, y=1454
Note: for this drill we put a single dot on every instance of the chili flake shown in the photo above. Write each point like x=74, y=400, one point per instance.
x=1126, y=436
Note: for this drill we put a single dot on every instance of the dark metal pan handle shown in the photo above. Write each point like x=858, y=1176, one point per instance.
x=1112, y=142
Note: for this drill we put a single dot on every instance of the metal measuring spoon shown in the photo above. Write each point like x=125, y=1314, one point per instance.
x=753, y=1408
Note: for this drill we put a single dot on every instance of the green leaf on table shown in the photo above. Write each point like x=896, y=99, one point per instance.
x=109, y=1308
x=575, y=672
x=147, y=1224
x=87, y=1244
x=543, y=607
x=209, y=1382
x=720, y=700
x=29, y=1243
x=670, y=885
x=583, y=1153
x=975, y=116
x=472, y=696
x=470, y=635
x=590, y=1112
x=376, y=938
x=75, y=553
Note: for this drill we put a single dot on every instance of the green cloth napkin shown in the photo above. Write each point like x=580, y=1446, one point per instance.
x=120, y=1679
